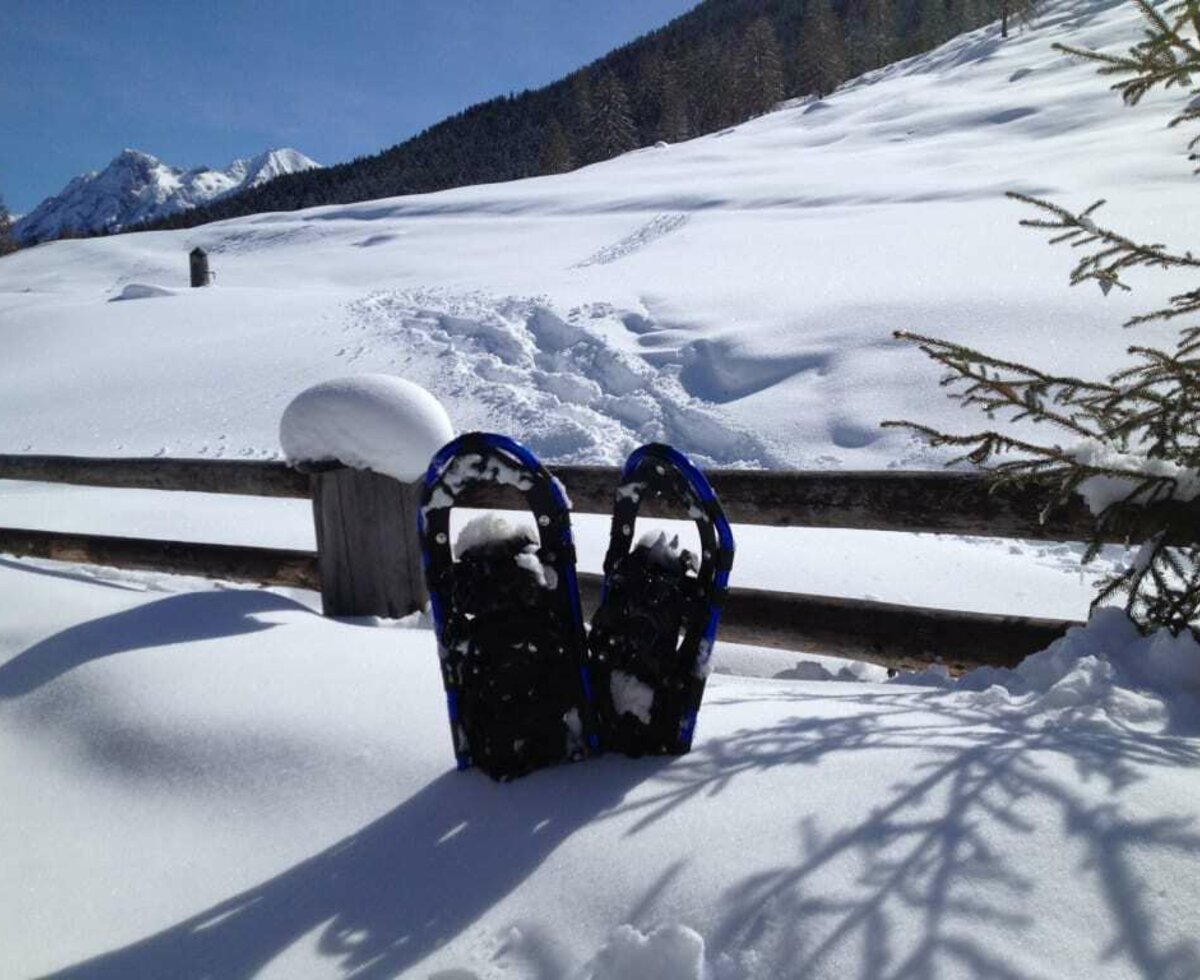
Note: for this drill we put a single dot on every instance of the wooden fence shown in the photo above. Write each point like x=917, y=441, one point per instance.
x=367, y=561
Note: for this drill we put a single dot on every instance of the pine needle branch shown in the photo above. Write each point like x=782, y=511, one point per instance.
x=1137, y=433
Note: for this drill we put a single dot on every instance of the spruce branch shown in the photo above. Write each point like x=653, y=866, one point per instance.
x=1167, y=56
x=1115, y=253
x=1138, y=439
x=1136, y=435
x=996, y=385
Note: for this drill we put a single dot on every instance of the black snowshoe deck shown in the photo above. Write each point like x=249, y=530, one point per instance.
x=509, y=627
x=648, y=682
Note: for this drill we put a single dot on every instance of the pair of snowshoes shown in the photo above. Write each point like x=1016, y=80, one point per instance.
x=526, y=685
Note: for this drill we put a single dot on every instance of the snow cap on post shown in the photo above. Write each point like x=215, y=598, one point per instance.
x=374, y=422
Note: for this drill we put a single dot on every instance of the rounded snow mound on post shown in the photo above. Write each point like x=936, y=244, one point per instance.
x=371, y=421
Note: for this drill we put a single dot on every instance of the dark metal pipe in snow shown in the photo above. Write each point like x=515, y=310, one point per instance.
x=199, y=263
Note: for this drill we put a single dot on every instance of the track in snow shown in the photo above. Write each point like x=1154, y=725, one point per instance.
x=515, y=364
x=654, y=229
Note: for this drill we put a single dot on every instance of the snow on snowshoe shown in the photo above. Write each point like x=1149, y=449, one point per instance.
x=653, y=634
x=506, y=609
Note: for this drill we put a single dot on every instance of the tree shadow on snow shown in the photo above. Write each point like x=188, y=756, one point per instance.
x=929, y=848
x=387, y=896
x=936, y=878
x=176, y=619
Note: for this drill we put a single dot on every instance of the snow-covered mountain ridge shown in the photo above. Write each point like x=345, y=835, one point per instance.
x=137, y=187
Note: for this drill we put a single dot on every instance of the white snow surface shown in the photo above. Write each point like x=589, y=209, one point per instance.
x=141, y=290
x=202, y=781
x=1101, y=492
x=370, y=421
x=1096, y=671
x=755, y=332
x=213, y=782
x=136, y=187
x=668, y=953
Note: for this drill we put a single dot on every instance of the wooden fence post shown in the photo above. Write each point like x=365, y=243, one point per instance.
x=367, y=547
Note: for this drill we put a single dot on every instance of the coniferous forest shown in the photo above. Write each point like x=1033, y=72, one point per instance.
x=717, y=65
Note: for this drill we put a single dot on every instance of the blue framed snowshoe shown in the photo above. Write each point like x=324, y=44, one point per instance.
x=505, y=604
x=653, y=633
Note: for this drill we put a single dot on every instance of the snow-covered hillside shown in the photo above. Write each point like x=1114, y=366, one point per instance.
x=200, y=781
x=735, y=294
x=136, y=187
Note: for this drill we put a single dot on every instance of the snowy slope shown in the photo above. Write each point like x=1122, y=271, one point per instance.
x=735, y=294
x=209, y=783
x=136, y=187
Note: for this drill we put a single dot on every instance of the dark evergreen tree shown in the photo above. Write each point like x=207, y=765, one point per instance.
x=1021, y=11
x=824, y=60
x=935, y=23
x=708, y=84
x=879, y=33
x=674, y=121
x=647, y=96
x=612, y=125
x=582, y=118
x=8, y=244
x=556, y=155
x=757, y=70
x=970, y=14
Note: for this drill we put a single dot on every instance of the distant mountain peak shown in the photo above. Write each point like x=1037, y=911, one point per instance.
x=137, y=187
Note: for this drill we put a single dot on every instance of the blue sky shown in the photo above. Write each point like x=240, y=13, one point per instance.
x=200, y=83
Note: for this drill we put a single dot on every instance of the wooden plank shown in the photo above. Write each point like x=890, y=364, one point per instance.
x=895, y=636
x=900, y=637
x=412, y=563
x=926, y=502
x=369, y=557
x=255, y=478
x=931, y=502
x=265, y=566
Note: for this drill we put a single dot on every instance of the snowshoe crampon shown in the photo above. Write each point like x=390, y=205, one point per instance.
x=653, y=634
x=509, y=627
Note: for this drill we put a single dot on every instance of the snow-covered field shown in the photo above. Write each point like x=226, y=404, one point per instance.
x=210, y=782
x=204, y=783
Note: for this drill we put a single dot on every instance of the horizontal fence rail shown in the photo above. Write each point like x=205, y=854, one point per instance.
x=235, y=563
x=252, y=478
x=894, y=635
x=922, y=502
x=928, y=502
x=900, y=637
